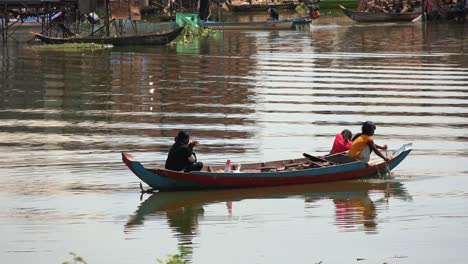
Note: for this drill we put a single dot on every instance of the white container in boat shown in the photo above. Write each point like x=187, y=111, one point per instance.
x=227, y=167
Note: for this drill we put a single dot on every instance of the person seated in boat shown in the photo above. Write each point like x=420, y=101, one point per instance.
x=93, y=18
x=314, y=12
x=273, y=12
x=387, y=6
x=374, y=7
x=362, y=147
x=405, y=7
x=342, y=142
x=181, y=156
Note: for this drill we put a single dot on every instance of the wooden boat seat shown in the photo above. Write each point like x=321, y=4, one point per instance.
x=265, y=169
x=291, y=165
x=288, y=165
x=318, y=161
x=314, y=164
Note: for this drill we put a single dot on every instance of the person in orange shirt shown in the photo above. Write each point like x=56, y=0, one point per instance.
x=362, y=146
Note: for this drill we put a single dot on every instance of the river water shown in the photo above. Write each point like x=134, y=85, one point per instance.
x=65, y=117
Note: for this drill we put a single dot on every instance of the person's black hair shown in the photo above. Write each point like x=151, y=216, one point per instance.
x=356, y=136
x=347, y=134
x=368, y=127
x=182, y=136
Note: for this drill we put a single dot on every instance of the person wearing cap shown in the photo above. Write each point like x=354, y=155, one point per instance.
x=181, y=156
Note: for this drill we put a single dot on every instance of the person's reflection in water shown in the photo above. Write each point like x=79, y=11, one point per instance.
x=184, y=221
x=353, y=205
x=180, y=212
x=352, y=211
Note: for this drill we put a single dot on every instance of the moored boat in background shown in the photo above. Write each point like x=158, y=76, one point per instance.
x=261, y=6
x=335, y=4
x=123, y=40
x=260, y=25
x=379, y=16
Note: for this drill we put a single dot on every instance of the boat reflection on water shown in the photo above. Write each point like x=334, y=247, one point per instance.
x=356, y=203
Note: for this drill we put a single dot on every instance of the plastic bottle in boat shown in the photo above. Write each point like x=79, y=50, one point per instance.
x=227, y=167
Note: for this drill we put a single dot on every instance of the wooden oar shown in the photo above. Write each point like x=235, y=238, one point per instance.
x=314, y=158
x=318, y=162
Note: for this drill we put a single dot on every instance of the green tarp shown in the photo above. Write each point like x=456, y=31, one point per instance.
x=187, y=18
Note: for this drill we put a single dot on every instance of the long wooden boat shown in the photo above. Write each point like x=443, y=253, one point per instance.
x=258, y=25
x=261, y=6
x=130, y=40
x=379, y=17
x=275, y=173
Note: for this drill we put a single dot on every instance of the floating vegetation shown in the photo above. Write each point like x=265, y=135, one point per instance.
x=191, y=33
x=171, y=259
x=71, y=46
x=177, y=258
x=76, y=259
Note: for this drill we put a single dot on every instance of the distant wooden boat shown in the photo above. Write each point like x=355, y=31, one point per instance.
x=379, y=17
x=26, y=21
x=167, y=17
x=335, y=4
x=125, y=40
x=35, y=20
x=151, y=10
x=261, y=6
x=259, y=25
x=275, y=173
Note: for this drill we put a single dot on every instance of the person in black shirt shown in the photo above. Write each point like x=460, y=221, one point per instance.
x=274, y=15
x=181, y=156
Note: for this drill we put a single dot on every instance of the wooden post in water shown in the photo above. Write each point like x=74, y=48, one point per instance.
x=106, y=17
x=4, y=22
x=423, y=10
x=218, y=11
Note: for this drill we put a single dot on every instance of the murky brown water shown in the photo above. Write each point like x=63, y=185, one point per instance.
x=247, y=96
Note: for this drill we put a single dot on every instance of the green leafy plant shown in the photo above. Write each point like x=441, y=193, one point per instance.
x=171, y=259
x=76, y=259
x=191, y=33
x=177, y=258
x=302, y=9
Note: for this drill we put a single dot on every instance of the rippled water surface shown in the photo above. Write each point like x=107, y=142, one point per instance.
x=65, y=117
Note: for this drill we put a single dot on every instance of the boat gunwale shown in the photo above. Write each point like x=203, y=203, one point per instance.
x=150, y=34
x=254, y=25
